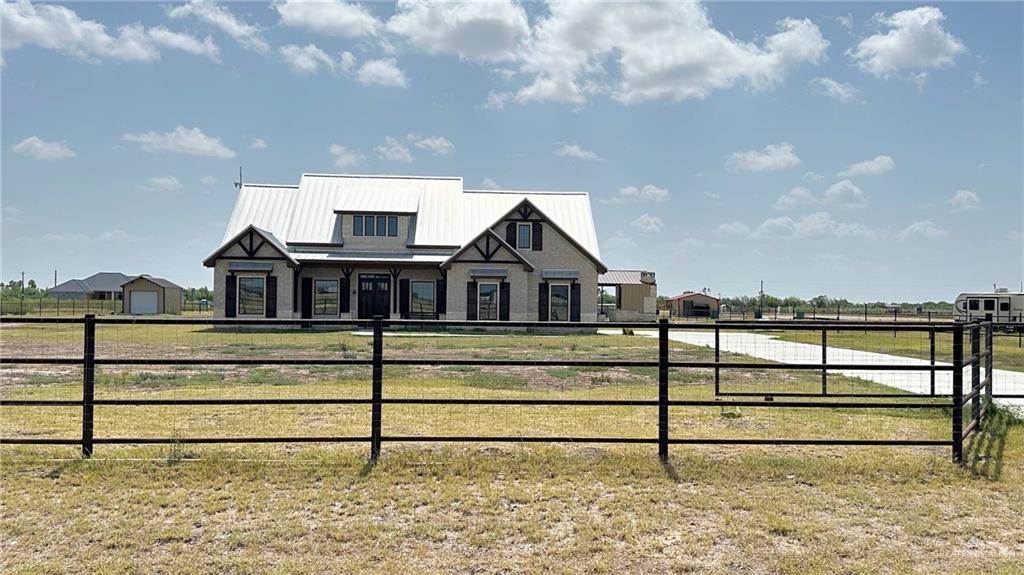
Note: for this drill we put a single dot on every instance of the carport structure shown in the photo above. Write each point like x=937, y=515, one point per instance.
x=636, y=295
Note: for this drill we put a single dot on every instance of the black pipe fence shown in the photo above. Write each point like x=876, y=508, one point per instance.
x=979, y=395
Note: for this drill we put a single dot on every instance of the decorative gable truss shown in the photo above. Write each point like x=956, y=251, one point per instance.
x=252, y=243
x=489, y=248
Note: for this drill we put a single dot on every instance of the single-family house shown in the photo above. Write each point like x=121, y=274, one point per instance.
x=351, y=246
x=98, y=286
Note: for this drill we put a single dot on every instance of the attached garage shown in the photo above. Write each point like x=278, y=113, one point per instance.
x=147, y=295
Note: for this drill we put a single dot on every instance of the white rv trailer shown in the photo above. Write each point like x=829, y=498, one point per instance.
x=1000, y=306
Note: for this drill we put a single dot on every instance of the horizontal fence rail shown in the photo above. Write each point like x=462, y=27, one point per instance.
x=977, y=398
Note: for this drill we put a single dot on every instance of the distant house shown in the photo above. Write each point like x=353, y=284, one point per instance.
x=350, y=246
x=636, y=294
x=693, y=304
x=100, y=286
x=147, y=295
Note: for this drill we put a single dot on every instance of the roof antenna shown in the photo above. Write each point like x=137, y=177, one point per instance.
x=238, y=184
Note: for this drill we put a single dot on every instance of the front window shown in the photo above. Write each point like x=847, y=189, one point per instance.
x=357, y=225
x=487, y=301
x=250, y=296
x=393, y=226
x=422, y=304
x=559, y=302
x=325, y=297
x=973, y=305
x=523, y=241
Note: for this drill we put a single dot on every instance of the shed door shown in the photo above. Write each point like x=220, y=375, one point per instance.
x=143, y=302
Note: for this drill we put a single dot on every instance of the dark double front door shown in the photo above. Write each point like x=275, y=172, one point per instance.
x=374, y=295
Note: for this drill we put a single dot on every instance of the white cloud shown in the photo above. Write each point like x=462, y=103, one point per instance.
x=61, y=29
x=964, y=200
x=648, y=192
x=161, y=184
x=383, y=72
x=648, y=223
x=394, y=151
x=473, y=31
x=733, y=229
x=916, y=42
x=813, y=177
x=182, y=140
x=489, y=184
x=836, y=90
x=248, y=36
x=306, y=60
x=347, y=61
x=873, y=167
x=663, y=51
x=116, y=235
x=845, y=194
x=978, y=80
x=437, y=145
x=39, y=149
x=712, y=195
x=12, y=215
x=330, y=17
x=344, y=157
x=774, y=157
x=818, y=225
x=926, y=230
x=496, y=100
x=258, y=144
x=794, y=198
x=208, y=180
x=566, y=150
x=619, y=241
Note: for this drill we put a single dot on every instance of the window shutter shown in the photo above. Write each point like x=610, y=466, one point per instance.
x=510, y=233
x=441, y=295
x=503, y=301
x=270, y=302
x=307, y=298
x=230, y=295
x=346, y=298
x=574, y=302
x=542, y=302
x=471, y=301
x=538, y=236
x=403, y=298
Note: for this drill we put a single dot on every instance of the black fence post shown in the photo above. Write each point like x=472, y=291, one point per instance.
x=663, y=389
x=88, y=384
x=931, y=358
x=989, y=366
x=976, y=374
x=958, y=393
x=718, y=356
x=378, y=384
x=824, y=361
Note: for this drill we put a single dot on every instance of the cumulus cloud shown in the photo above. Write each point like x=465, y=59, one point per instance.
x=59, y=28
x=646, y=193
x=489, y=184
x=567, y=150
x=258, y=144
x=964, y=200
x=915, y=42
x=383, y=72
x=12, y=215
x=161, y=184
x=181, y=140
x=473, y=31
x=845, y=194
x=648, y=224
x=794, y=198
x=248, y=36
x=818, y=225
x=344, y=157
x=873, y=167
x=496, y=100
x=35, y=147
x=306, y=60
x=437, y=145
x=329, y=17
x=773, y=157
x=663, y=51
x=393, y=150
x=925, y=230
x=839, y=91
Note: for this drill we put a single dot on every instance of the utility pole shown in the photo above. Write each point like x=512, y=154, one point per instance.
x=54, y=278
x=760, y=304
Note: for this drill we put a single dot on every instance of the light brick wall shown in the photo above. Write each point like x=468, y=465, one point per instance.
x=375, y=242
x=285, y=285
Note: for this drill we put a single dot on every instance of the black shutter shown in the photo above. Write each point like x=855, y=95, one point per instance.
x=403, y=298
x=503, y=301
x=270, y=303
x=538, y=236
x=542, y=302
x=346, y=298
x=307, y=298
x=295, y=290
x=574, y=302
x=230, y=295
x=471, y=301
x=441, y=295
x=510, y=234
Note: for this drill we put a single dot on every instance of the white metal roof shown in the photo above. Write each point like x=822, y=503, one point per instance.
x=445, y=213
x=624, y=277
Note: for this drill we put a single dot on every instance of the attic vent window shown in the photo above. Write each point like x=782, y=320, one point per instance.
x=371, y=225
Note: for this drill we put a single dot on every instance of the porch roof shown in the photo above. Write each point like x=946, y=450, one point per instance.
x=369, y=257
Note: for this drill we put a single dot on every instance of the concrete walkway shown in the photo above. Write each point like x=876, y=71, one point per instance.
x=770, y=348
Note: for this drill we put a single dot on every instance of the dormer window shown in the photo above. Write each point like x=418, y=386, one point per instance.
x=371, y=225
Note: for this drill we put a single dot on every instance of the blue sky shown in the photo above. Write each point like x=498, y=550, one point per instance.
x=869, y=151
